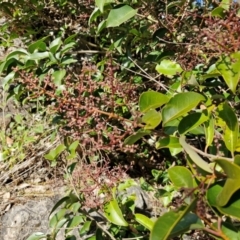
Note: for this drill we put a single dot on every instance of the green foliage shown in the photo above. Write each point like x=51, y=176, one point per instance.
x=113, y=213
x=185, y=73
x=71, y=212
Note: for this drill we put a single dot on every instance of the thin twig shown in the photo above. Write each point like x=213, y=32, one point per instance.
x=149, y=76
x=210, y=156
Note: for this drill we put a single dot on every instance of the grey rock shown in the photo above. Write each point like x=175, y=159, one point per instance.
x=142, y=199
x=3, y=20
x=23, y=220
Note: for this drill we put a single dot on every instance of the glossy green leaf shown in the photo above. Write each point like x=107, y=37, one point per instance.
x=57, y=217
x=59, y=226
x=181, y=177
x=144, y=220
x=85, y=228
x=218, y=12
x=8, y=78
x=237, y=159
x=126, y=184
x=67, y=47
x=157, y=174
x=168, y=67
x=168, y=142
x=54, y=153
x=39, y=55
x=194, y=156
x=232, y=183
x=136, y=136
x=189, y=222
x=58, y=77
x=94, y=15
x=175, y=151
x=192, y=121
x=102, y=25
x=73, y=146
x=68, y=60
x=74, y=222
x=59, y=203
x=37, y=236
x=189, y=77
x=238, y=146
x=209, y=132
x=38, y=45
x=232, y=208
x=225, y=4
x=229, y=230
x=17, y=53
x=231, y=127
x=4, y=65
x=120, y=15
x=229, y=66
x=152, y=119
x=152, y=100
x=55, y=45
x=180, y=104
x=114, y=214
x=69, y=39
x=101, y=3
x=165, y=225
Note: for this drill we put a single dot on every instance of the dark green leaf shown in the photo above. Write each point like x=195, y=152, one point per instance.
x=209, y=131
x=231, y=127
x=152, y=100
x=192, y=121
x=181, y=177
x=38, y=45
x=59, y=203
x=39, y=55
x=69, y=39
x=101, y=3
x=229, y=230
x=181, y=104
x=218, y=12
x=74, y=222
x=232, y=183
x=120, y=15
x=232, y=209
x=55, y=45
x=229, y=67
x=168, y=142
x=237, y=159
x=57, y=217
x=85, y=228
x=114, y=214
x=152, y=119
x=144, y=220
x=165, y=225
x=189, y=222
x=17, y=53
x=54, y=153
x=135, y=137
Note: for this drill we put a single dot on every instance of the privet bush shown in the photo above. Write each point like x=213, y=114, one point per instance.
x=164, y=73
